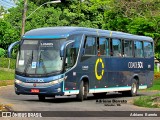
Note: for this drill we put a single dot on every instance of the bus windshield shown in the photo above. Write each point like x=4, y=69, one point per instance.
x=39, y=57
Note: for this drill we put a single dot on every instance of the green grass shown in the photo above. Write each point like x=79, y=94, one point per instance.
x=5, y=61
x=156, y=85
x=5, y=75
x=147, y=101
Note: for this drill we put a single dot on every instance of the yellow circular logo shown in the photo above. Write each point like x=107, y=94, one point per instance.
x=99, y=77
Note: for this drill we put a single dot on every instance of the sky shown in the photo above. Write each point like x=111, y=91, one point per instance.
x=7, y=3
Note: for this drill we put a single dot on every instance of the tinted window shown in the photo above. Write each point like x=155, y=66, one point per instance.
x=39, y=57
x=128, y=48
x=104, y=46
x=116, y=47
x=148, y=49
x=138, y=49
x=90, y=46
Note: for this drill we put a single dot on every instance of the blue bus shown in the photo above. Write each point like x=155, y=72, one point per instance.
x=78, y=61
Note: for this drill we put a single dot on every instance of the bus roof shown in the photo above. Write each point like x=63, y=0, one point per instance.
x=64, y=32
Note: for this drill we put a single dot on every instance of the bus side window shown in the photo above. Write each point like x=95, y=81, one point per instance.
x=148, y=49
x=90, y=46
x=104, y=46
x=116, y=46
x=128, y=48
x=138, y=49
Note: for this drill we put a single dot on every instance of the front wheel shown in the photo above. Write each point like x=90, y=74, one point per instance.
x=83, y=91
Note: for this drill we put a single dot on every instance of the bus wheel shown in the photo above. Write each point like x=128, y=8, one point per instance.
x=85, y=90
x=41, y=97
x=80, y=96
x=134, y=87
x=133, y=91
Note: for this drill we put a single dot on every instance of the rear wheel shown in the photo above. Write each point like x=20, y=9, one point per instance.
x=134, y=88
x=133, y=91
x=41, y=97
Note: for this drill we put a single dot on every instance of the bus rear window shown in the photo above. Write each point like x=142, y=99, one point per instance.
x=148, y=49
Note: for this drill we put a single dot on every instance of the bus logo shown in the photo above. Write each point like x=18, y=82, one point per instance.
x=135, y=64
x=99, y=77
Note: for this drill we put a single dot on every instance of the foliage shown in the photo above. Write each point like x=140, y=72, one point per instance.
x=2, y=52
x=4, y=63
x=149, y=101
x=137, y=17
x=157, y=55
x=156, y=83
x=5, y=75
x=8, y=34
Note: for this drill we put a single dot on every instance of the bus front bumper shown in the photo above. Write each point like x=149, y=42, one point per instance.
x=39, y=89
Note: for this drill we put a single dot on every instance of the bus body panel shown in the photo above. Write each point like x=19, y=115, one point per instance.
x=104, y=74
x=42, y=84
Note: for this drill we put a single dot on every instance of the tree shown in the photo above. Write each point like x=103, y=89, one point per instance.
x=7, y=34
x=137, y=17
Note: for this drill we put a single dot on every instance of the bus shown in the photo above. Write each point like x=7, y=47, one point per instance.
x=57, y=61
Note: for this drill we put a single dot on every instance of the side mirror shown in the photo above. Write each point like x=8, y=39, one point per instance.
x=63, y=47
x=11, y=47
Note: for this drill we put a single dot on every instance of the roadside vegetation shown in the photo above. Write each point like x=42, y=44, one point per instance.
x=6, y=75
x=148, y=101
x=140, y=17
x=7, y=63
x=156, y=85
x=6, y=71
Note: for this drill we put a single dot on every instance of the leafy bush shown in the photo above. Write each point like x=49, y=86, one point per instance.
x=6, y=75
x=157, y=75
x=149, y=101
x=4, y=63
x=2, y=52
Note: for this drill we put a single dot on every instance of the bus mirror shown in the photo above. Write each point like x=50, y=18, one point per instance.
x=11, y=47
x=63, y=47
x=62, y=51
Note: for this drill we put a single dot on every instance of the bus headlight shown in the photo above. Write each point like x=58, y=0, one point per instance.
x=57, y=81
x=18, y=81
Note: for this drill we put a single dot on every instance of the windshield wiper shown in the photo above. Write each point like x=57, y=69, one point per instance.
x=27, y=65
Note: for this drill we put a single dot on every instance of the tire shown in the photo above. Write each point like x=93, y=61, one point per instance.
x=133, y=91
x=41, y=97
x=134, y=88
x=82, y=94
x=86, y=89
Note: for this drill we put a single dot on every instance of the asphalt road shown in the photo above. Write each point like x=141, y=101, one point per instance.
x=69, y=103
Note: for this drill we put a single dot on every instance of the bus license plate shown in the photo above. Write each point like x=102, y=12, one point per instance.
x=34, y=90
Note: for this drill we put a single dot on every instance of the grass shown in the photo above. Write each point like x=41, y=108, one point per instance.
x=4, y=63
x=156, y=85
x=5, y=75
x=148, y=101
